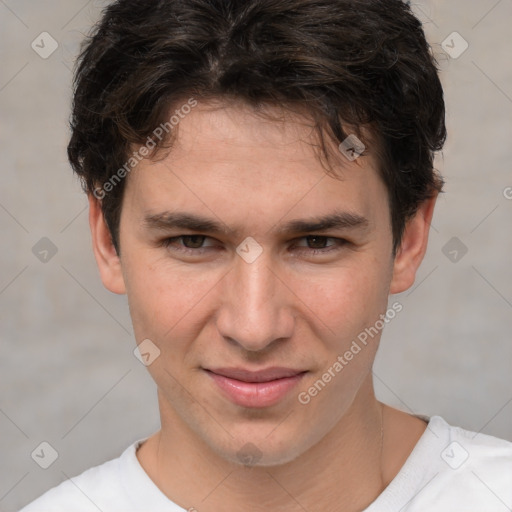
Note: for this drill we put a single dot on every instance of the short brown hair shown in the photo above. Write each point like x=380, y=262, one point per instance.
x=344, y=62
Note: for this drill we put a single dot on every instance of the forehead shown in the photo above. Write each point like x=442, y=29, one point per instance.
x=230, y=160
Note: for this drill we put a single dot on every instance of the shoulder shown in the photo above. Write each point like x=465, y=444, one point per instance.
x=485, y=458
x=468, y=468
x=95, y=488
x=451, y=469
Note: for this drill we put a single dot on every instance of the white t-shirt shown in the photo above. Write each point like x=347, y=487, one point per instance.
x=449, y=470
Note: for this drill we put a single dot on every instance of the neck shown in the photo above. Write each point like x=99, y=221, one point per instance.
x=351, y=465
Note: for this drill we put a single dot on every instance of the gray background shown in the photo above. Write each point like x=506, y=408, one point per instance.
x=68, y=374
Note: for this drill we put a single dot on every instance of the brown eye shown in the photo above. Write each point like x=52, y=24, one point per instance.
x=317, y=242
x=193, y=241
x=189, y=243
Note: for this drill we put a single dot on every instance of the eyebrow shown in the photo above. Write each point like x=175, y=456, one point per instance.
x=335, y=220
x=182, y=220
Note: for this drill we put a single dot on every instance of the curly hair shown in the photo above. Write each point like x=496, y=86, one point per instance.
x=363, y=64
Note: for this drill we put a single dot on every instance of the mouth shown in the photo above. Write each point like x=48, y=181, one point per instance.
x=255, y=389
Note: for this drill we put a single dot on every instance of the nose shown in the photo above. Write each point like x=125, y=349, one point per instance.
x=256, y=307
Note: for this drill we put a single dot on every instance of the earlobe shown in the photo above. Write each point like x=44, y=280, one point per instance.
x=412, y=247
x=107, y=259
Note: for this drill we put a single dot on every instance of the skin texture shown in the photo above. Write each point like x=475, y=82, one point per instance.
x=290, y=307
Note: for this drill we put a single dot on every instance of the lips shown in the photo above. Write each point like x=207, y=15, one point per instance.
x=255, y=389
x=266, y=375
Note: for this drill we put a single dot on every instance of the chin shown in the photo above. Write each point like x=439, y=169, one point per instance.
x=260, y=451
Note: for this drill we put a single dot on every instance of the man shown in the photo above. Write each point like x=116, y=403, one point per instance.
x=260, y=180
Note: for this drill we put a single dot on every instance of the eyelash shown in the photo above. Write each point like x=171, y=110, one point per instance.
x=339, y=243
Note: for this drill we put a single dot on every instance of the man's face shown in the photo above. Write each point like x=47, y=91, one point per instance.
x=298, y=305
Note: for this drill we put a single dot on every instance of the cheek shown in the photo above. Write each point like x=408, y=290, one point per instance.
x=166, y=302
x=348, y=299
x=348, y=302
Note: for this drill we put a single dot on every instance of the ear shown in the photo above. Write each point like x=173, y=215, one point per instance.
x=105, y=253
x=412, y=247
